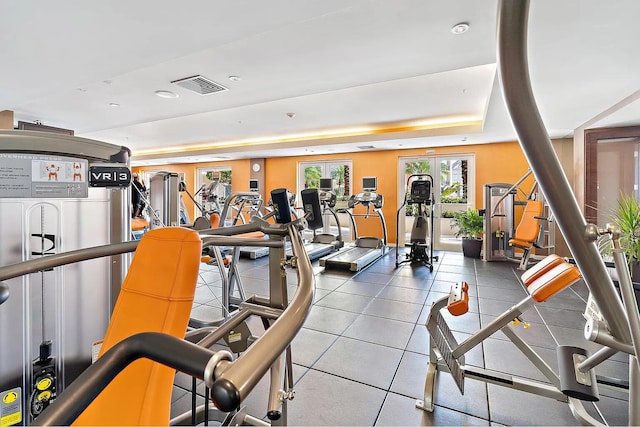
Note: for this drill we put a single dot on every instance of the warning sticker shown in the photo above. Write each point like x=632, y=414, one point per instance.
x=10, y=407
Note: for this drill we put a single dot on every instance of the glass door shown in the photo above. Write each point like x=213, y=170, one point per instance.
x=453, y=177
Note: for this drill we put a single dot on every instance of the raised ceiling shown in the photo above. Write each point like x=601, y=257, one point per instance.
x=387, y=74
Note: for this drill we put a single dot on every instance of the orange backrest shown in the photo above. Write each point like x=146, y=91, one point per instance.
x=156, y=296
x=529, y=226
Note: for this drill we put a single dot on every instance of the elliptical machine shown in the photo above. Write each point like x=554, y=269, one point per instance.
x=421, y=242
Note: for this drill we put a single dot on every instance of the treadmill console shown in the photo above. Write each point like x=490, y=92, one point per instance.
x=327, y=198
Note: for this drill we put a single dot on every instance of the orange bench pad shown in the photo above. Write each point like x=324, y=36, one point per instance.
x=540, y=268
x=553, y=281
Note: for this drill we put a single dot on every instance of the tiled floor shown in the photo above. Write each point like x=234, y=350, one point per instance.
x=362, y=354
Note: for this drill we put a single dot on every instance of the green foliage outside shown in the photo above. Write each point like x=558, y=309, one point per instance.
x=469, y=224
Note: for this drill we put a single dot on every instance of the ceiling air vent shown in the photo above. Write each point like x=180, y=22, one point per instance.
x=366, y=147
x=200, y=84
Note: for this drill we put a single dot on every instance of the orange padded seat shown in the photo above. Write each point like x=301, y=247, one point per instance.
x=553, y=281
x=156, y=296
x=527, y=232
x=540, y=268
x=138, y=224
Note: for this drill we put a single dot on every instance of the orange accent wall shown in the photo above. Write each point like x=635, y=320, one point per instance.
x=497, y=162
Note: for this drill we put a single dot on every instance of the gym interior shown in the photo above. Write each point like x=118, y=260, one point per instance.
x=350, y=213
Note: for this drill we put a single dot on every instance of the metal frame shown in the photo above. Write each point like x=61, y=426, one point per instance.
x=622, y=322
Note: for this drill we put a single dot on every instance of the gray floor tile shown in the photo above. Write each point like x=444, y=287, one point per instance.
x=381, y=331
x=361, y=361
x=360, y=288
x=455, y=277
x=513, y=407
x=328, y=282
x=511, y=295
x=416, y=271
x=410, y=282
x=415, y=296
x=504, y=356
x=419, y=340
x=344, y=402
x=346, y=302
x=370, y=277
x=329, y=320
x=495, y=308
x=401, y=411
x=309, y=345
x=396, y=310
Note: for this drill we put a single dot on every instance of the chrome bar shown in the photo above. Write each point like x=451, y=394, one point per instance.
x=56, y=260
x=236, y=382
x=535, y=142
x=239, y=241
x=596, y=358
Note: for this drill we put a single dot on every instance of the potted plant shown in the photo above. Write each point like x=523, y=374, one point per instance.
x=627, y=217
x=469, y=225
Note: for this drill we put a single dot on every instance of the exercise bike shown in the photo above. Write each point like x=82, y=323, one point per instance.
x=421, y=241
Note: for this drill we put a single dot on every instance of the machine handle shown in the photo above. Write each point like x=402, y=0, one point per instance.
x=166, y=349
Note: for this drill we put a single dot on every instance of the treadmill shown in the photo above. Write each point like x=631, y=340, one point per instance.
x=366, y=249
x=324, y=243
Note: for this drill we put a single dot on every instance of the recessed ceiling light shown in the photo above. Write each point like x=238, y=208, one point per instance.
x=235, y=78
x=113, y=104
x=291, y=115
x=460, y=28
x=82, y=89
x=166, y=94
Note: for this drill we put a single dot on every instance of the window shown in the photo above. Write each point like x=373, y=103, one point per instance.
x=339, y=171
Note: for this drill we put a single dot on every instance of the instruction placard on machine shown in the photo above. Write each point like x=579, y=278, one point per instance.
x=24, y=175
x=10, y=407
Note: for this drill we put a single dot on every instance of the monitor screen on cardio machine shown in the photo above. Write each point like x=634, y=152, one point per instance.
x=420, y=191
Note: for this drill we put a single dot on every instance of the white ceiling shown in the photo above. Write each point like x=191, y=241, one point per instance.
x=347, y=69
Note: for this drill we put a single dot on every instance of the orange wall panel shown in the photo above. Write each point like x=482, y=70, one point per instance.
x=498, y=162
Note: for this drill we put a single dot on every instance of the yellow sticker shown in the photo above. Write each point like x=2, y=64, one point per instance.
x=45, y=395
x=235, y=337
x=44, y=384
x=10, y=420
x=10, y=397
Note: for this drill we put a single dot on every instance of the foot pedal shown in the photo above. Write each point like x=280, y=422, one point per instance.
x=574, y=383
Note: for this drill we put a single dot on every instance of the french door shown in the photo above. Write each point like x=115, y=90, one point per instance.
x=454, y=184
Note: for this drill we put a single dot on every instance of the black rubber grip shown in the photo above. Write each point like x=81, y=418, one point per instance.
x=225, y=395
x=274, y=415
